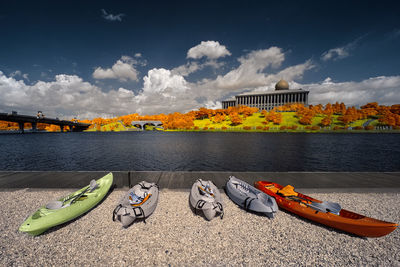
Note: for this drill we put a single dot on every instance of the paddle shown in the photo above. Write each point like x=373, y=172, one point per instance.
x=57, y=204
x=325, y=206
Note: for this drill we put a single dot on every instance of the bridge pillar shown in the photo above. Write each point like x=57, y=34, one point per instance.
x=61, y=128
x=34, y=126
x=21, y=126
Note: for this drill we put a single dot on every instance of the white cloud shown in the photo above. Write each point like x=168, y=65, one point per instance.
x=191, y=67
x=122, y=70
x=18, y=73
x=163, y=82
x=384, y=90
x=111, y=17
x=187, y=69
x=335, y=53
x=166, y=91
x=250, y=72
x=340, y=52
x=209, y=49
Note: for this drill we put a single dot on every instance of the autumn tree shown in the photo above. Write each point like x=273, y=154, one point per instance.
x=236, y=119
x=218, y=118
x=326, y=121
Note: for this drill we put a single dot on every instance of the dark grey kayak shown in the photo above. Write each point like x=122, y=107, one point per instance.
x=250, y=198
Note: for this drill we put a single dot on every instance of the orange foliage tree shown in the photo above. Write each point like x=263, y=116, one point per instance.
x=235, y=119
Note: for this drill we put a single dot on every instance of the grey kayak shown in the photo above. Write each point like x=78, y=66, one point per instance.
x=139, y=202
x=205, y=196
x=250, y=198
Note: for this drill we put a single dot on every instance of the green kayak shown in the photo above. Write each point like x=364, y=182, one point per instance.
x=67, y=208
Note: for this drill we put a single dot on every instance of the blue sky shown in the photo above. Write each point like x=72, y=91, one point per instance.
x=117, y=57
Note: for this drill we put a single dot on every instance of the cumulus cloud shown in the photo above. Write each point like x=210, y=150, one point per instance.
x=208, y=49
x=250, y=74
x=122, y=70
x=164, y=82
x=111, y=17
x=166, y=91
x=383, y=89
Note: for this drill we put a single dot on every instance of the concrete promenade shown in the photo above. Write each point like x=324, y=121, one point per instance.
x=320, y=181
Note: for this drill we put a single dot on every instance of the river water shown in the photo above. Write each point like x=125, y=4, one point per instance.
x=199, y=151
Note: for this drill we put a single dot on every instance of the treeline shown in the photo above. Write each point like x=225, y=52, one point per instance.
x=235, y=116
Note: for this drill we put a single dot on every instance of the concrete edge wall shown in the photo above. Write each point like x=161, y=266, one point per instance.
x=184, y=180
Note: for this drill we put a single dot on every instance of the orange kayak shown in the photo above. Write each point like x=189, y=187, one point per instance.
x=344, y=220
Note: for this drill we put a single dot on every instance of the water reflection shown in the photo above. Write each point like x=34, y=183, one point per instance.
x=200, y=151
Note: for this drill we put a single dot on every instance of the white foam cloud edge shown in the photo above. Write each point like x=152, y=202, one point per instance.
x=167, y=91
x=123, y=70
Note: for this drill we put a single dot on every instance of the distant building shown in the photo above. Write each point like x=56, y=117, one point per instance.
x=269, y=100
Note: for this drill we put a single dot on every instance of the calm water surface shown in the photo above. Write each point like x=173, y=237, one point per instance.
x=199, y=151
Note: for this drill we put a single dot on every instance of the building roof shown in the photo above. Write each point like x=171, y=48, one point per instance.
x=230, y=99
x=274, y=92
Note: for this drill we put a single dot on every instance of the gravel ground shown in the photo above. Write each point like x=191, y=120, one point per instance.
x=175, y=236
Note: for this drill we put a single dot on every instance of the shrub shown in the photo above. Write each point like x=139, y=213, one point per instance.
x=224, y=128
x=396, y=127
x=336, y=128
x=294, y=127
x=266, y=128
x=308, y=127
x=283, y=127
x=358, y=128
x=259, y=127
x=196, y=127
x=247, y=128
x=211, y=128
x=205, y=128
x=315, y=128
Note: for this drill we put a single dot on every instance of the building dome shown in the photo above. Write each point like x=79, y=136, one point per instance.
x=282, y=85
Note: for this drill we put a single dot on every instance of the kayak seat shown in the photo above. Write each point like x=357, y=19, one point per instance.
x=287, y=191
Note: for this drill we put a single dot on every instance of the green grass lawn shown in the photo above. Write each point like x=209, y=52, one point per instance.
x=289, y=119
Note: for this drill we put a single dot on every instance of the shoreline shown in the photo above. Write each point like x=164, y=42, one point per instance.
x=344, y=181
x=175, y=235
x=224, y=131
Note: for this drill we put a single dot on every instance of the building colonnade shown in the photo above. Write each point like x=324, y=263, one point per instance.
x=268, y=101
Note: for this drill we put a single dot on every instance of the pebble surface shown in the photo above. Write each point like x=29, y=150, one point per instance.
x=175, y=236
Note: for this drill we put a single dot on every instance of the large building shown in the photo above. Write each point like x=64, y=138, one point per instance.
x=268, y=100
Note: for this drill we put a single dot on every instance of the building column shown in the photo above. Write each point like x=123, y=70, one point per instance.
x=307, y=99
x=274, y=100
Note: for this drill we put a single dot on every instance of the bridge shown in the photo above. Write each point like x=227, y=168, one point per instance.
x=34, y=120
x=142, y=124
